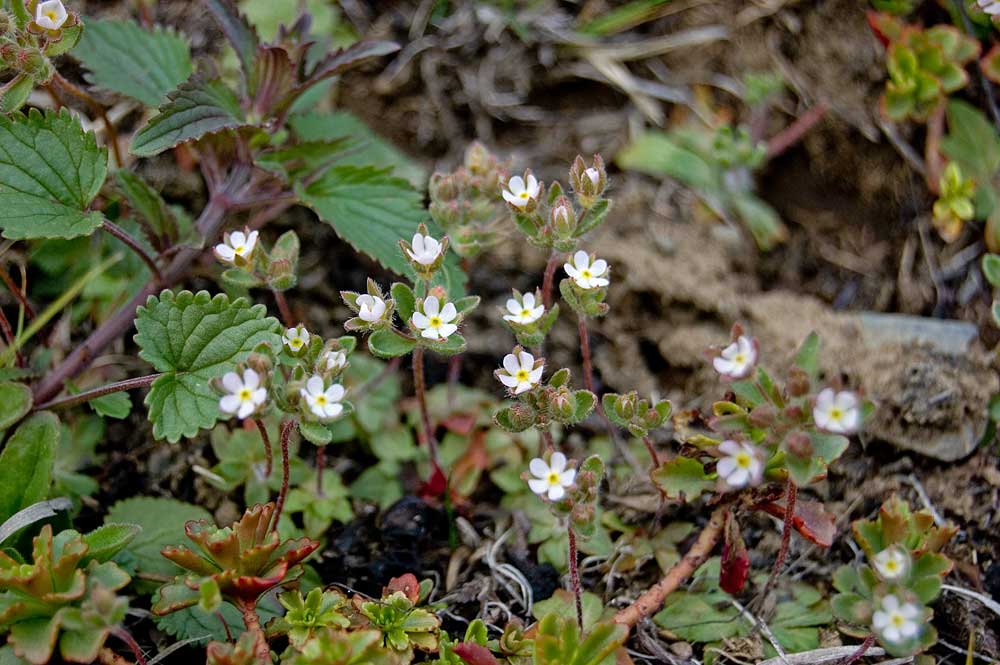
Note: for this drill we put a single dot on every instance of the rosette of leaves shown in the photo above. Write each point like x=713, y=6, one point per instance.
x=554, y=401
x=862, y=587
x=954, y=205
x=306, y=616
x=338, y=647
x=466, y=203
x=719, y=165
x=973, y=143
x=403, y=625
x=241, y=652
x=558, y=641
x=66, y=597
x=924, y=65
x=238, y=563
x=531, y=335
x=638, y=416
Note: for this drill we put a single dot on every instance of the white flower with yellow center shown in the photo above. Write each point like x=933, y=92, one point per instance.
x=896, y=621
x=243, y=395
x=551, y=479
x=50, y=14
x=587, y=274
x=296, y=338
x=740, y=466
x=323, y=402
x=519, y=372
x=370, y=308
x=435, y=322
x=837, y=412
x=520, y=191
x=426, y=249
x=524, y=311
x=334, y=360
x=892, y=563
x=736, y=360
x=236, y=245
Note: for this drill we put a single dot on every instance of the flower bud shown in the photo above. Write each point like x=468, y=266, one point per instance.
x=260, y=363
x=793, y=412
x=563, y=404
x=589, y=182
x=625, y=405
x=7, y=24
x=33, y=63
x=478, y=159
x=799, y=445
x=563, y=218
x=442, y=187
x=798, y=382
x=762, y=416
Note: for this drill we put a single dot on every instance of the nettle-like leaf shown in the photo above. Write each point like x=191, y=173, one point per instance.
x=683, y=478
x=26, y=463
x=50, y=171
x=133, y=61
x=241, y=35
x=195, y=109
x=373, y=211
x=192, y=339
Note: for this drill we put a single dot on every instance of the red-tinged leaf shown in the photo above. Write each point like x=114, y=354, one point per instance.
x=811, y=520
x=461, y=423
x=886, y=28
x=473, y=654
x=408, y=584
x=436, y=485
x=735, y=559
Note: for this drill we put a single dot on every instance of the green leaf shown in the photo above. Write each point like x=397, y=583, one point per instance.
x=683, y=477
x=26, y=463
x=115, y=405
x=972, y=141
x=194, y=623
x=807, y=357
x=366, y=148
x=147, y=202
x=105, y=542
x=15, y=403
x=763, y=221
x=15, y=93
x=195, y=109
x=133, y=61
x=657, y=154
x=593, y=217
x=50, y=171
x=562, y=604
x=991, y=269
x=387, y=343
x=315, y=433
x=373, y=211
x=192, y=339
x=405, y=300
x=241, y=35
x=162, y=524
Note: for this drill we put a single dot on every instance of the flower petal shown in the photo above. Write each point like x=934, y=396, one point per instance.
x=432, y=306
x=538, y=486
x=510, y=363
x=581, y=260
x=557, y=462
x=514, y=307
x=538, y=467
x=231, y=382
x=314, y=386
x=230, y=403
x=448, y=313
x=250, y=379
x=420, y=321
x=525, y=361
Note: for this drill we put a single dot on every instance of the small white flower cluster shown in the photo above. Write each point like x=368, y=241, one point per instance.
x=435, y=321
x=737, y=360
x=334, y=361
x=244, y=395
x=236, y=247
x=551, y=479
x=892, y=563
x=424, y=249
x=896, y=621
x=741, y=464
x=587, y=272
x=524, y=311
x=296, y=339
x=519, y=372
x=522, y=192
x=323, y=401
x=50, y=14
x=370, y=308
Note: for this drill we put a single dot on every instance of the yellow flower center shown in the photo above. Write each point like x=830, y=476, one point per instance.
x=296, y=343
x=435, y=322
x=897, y=619
x=892, y=565
x=525, y=312
x=52, y=15
x=522, y=375
x=553, y=478
x=321, y=399
x=740, y=358
x=586, y=273
x=743, y=460
x=245, y=394
x=836, y=414
x=524, y=195
x=239, y=249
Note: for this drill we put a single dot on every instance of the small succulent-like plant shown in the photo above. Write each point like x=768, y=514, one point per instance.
x=338, y=647
x=954, y=206
x=65, y=599
x=402, y=624
x=306, y=616
x=889, y=597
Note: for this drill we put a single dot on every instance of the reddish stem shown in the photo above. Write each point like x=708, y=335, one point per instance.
x=792, y=134
x=860, y=653
x=268, y=455
x=134, y=245
x=320, y=465
x=791, y=493
x=93, y=393
x=932, y=148
x=425, y=433
x=126, y=637
x=225, y=625
x=574, y=577
x=283, y=308
x=8, y=334
x=547, y=281
x=252, y=622
x=286, y=432
x=546, y=442
x=17, y=293
x=651, y=601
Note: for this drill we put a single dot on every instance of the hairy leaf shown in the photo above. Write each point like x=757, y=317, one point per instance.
x=192, y=339
x=683, y=477
x=50, y=171
x=106, y=541
x=133, y=61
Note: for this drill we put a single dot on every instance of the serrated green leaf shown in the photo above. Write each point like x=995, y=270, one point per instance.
x=194, y=623
x=26, y=463
x=133, y=61
x=972, y=141
x=50, y=171
x=563, y=605
x=389, y=344
x=195, y=109
x=373, y=211
x=15, y=403
x=108, y=540
x=683, y=477
x=241, y=35
x=192, y=339
x=162, y=522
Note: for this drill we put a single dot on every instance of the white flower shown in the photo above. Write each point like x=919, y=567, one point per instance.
x=991, y=7
x=551, y=479
x=335, y=360
x=435, y=322
x=741, y=465
x=524, y=312
x=50, y=14
x=519, y=372
x=236, y=245
x=370, y=308
x=737, y=359
x=837, y=412
x=519, y=194
x=243, y=396
x=296, y=338
x=892, y=563
x=896, y=621
x=426, y=249
x=594, y=175
x=587, y=275
x=324, y=403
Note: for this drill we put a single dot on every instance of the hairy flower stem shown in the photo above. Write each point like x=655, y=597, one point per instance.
x=268, y=455
x=93, y=393
x=932, y=148
x=18, y=293
x=126, y=637
x=791, y=493
x=320, y=465
x=792, y=134
x=588, y=369
x=651, y=601
x=283, y=308
x=286, y=432
x=549, y=278
x=546, y=443
x=574, y=577
x=860, y=653
x=133, y=244
x=252, y=623
x=425, y=433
